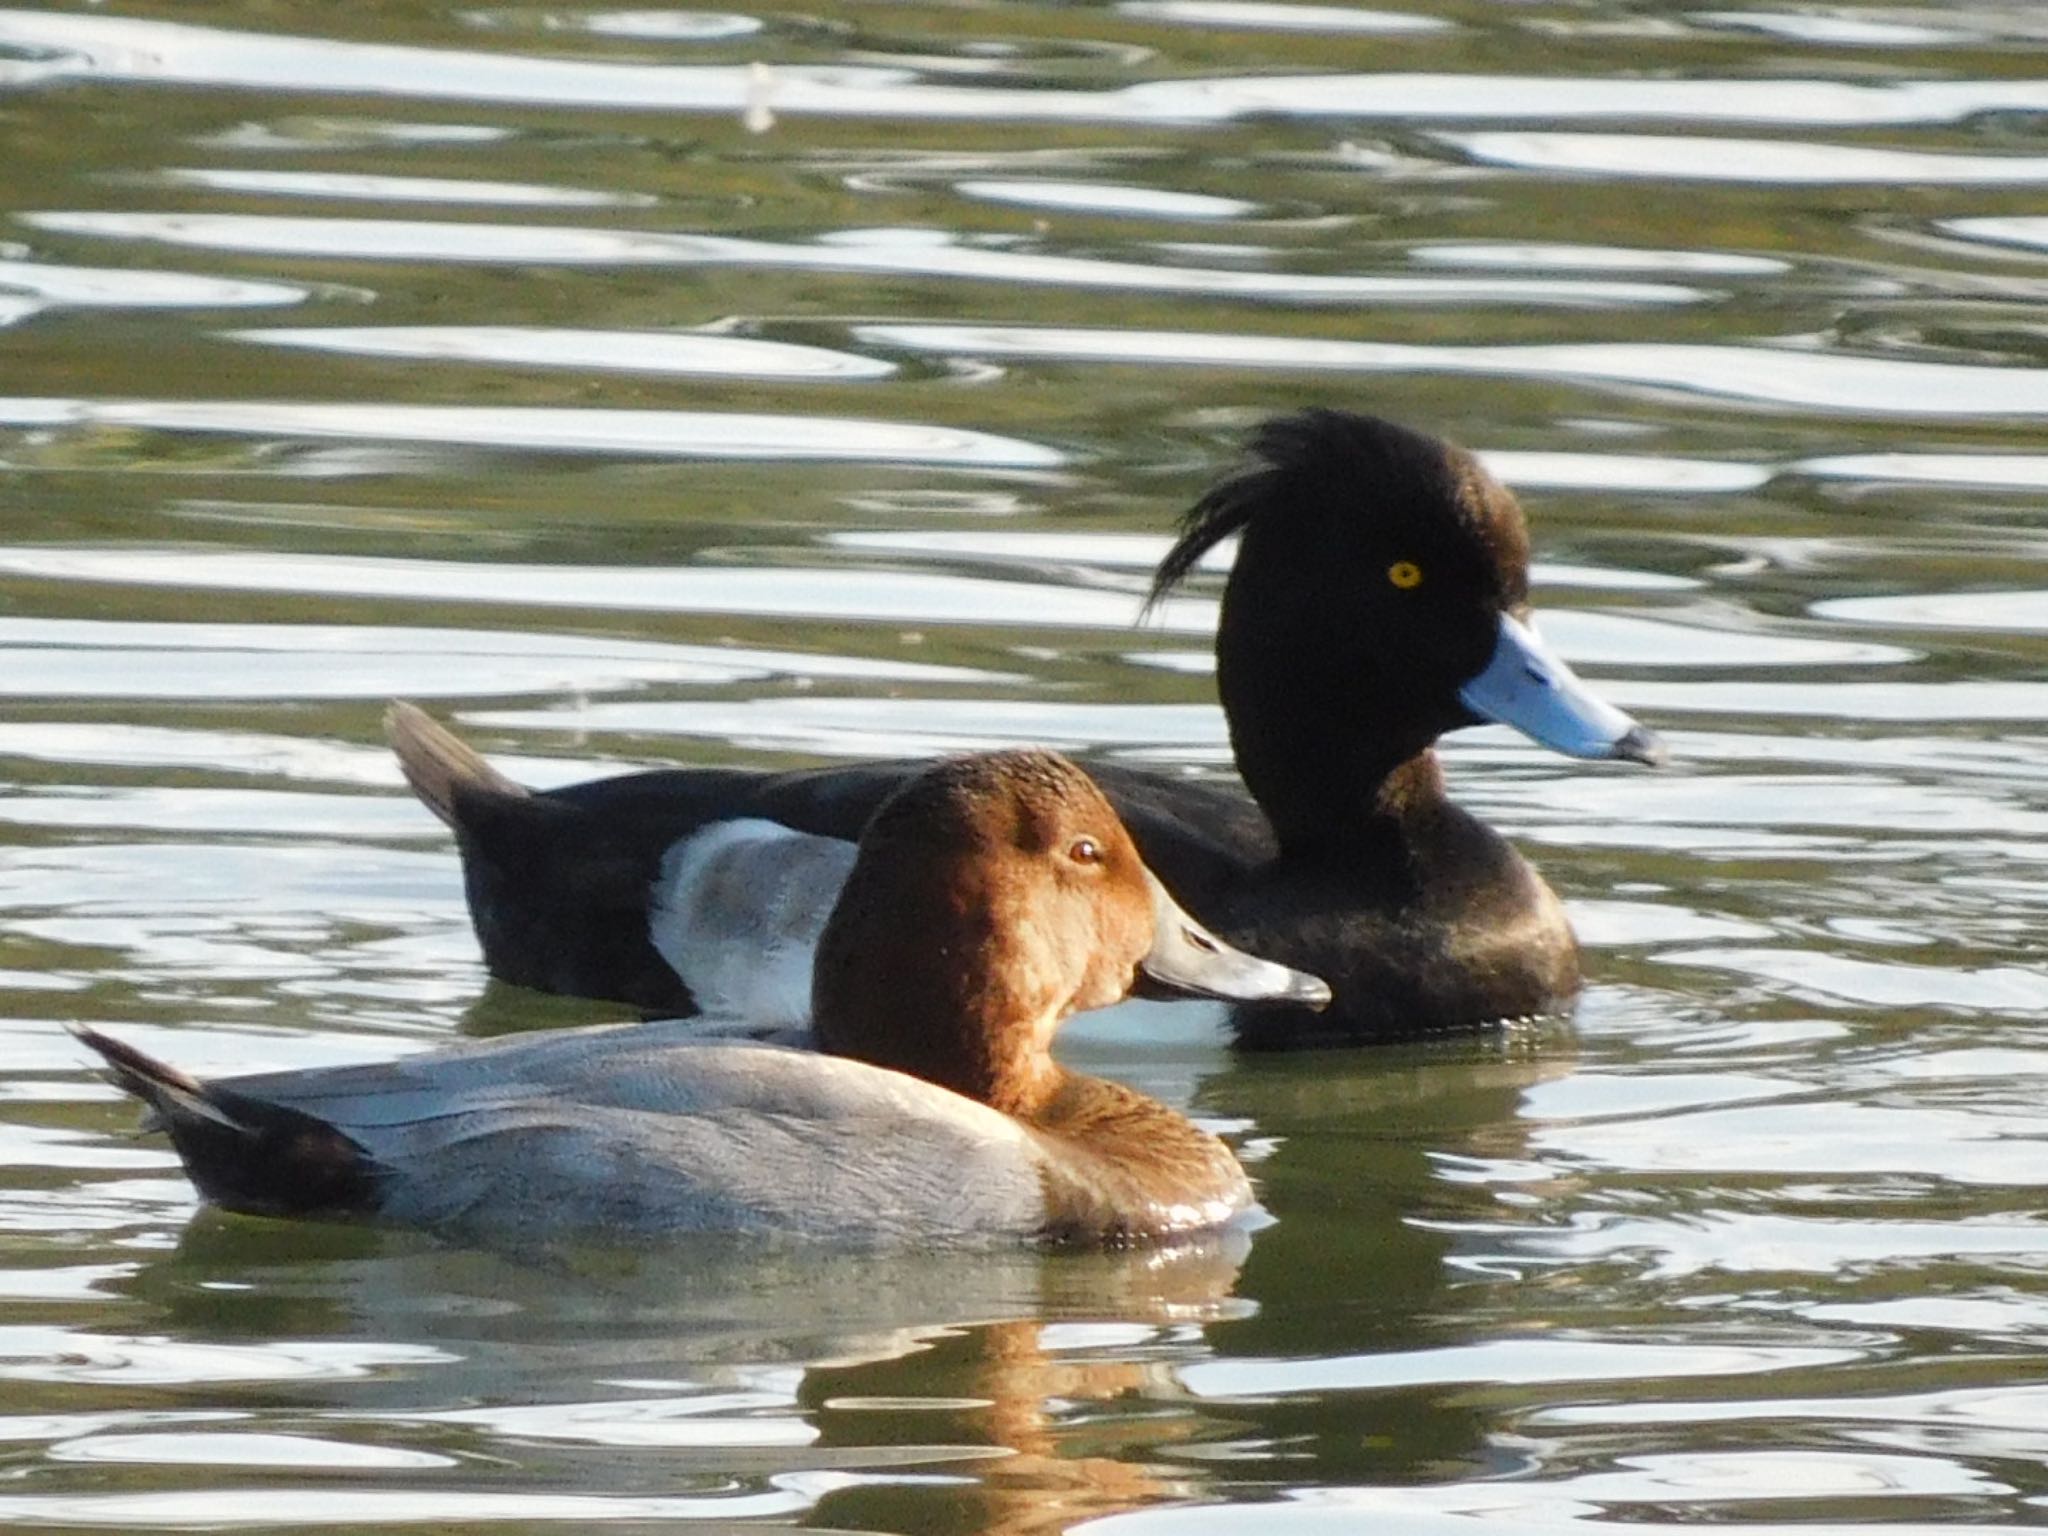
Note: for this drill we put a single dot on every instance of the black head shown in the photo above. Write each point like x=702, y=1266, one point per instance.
x=1362, y=488
x=1375, y=568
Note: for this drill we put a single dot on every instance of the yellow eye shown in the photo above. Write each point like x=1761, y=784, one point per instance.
x=1405, y=574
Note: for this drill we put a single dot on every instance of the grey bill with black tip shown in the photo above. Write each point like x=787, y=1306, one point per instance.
x=1527, y=685
x=1186, y=959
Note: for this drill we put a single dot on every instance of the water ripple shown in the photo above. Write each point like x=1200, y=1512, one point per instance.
x=119, y=48
x=670, y=26
x=397, y=189
x=662, y=434
x=1991, y=471
x=669, y=352
x=1527, y=1362
x=1849, y=31
x=2019, y=1406
x=2012, y=613
x=1101, y=197
x=2023, y=231
x=1923, y=703
x=900, y=597
x=1525, y=255
x=1261, y=16
x=1765, y=374
x=1746, y=301
x=1700, y=158
x=124, y=288
x=706, y=1419
x=1559, y=1508
x=908, y=252
x=1144, y=551
x=30, y=1353
x=92, y=659
x=288, y=1506
x=1859, y=982
x=1711, y=1241
x=193, y=1448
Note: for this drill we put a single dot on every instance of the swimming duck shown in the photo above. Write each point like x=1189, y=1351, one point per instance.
x=989, y=898
x=1380, y=597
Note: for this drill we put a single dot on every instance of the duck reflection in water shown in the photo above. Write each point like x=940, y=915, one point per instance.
x=960, y=1390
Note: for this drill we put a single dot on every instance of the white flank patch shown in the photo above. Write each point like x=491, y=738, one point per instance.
x=737, y=912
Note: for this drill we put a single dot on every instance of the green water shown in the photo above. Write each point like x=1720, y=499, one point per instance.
x=491, y=358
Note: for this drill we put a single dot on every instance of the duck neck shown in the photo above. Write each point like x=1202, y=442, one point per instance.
x=1316, y=756
x=980, y=1052
x=1332, y=741
x=935, y=990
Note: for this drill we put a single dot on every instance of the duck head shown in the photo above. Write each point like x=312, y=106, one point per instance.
x=1380, y=598
x=991, y=897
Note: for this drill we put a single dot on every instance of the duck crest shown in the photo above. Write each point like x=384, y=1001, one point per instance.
x=1353, y=473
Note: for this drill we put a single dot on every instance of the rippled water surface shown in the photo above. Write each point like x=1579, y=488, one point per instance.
x=771, y=386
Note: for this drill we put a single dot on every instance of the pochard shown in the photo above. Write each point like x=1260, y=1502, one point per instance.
x=1380, y=597
x=990, y=898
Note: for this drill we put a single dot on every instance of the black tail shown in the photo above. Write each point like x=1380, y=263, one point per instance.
x=242, y=1152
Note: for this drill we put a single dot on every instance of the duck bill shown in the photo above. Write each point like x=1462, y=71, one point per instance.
x=1187, y=960
x=1527, y=685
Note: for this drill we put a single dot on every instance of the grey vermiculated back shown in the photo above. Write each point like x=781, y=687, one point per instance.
x=645, y=1130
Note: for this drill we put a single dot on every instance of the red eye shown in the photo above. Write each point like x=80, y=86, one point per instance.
x=1085, y=850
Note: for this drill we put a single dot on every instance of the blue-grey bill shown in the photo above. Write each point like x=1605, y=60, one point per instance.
x=1527, y=685
x=1187, y=958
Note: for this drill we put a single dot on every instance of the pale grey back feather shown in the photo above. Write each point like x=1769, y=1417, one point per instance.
x=736, y=912
x=638, y=1130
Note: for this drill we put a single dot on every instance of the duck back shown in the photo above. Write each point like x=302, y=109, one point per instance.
x=633, y=1132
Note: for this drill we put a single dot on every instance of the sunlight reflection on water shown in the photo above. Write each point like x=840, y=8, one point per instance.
x=635, y=385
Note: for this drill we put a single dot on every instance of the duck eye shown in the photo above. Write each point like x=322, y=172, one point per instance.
x=1085, y=850
x=1405, y=574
